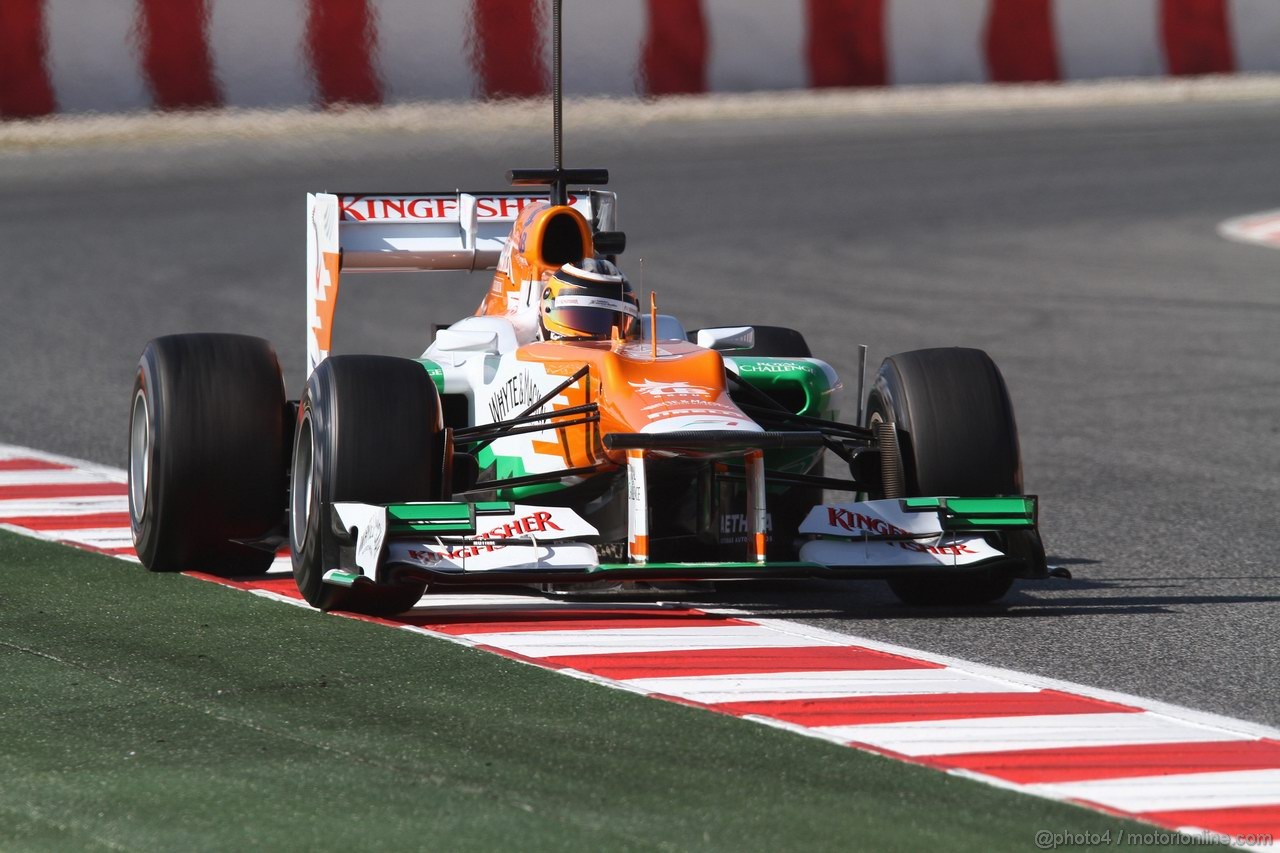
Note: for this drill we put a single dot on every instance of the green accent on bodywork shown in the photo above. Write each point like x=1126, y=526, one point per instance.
x=441, y=518
x=337, y=577
x=433, y=518
x=442, y=512
x=790, y=375
x=797, y=377
x=790, y=378
x=974, y=513
x=435, y=371
x=506, y=467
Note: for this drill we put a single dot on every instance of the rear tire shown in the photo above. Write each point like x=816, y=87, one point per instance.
x=206, y=453
x=368, y=431
x=958, y=438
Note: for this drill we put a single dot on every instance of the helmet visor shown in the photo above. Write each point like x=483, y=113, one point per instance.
x=581, y=316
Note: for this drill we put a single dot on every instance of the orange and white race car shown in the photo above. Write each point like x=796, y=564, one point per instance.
x=562, y=435
x=565, y=435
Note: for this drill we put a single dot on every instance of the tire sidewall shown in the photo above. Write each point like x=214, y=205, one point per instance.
x=361, y=470
x=908, y=382
x=147, y=525
x=316, y=429
x=215, y=453
x=905, y=388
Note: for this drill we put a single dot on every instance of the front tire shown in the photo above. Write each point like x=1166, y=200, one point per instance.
x=207, y=453
x=958, y=438
x=368, y=431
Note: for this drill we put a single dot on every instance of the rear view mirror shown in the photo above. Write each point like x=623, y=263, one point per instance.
x=609, y=243
x=727, y=338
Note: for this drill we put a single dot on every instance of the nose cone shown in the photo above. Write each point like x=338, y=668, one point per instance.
x=681, y=390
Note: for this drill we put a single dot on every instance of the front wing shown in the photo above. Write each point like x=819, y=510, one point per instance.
x=499, y=543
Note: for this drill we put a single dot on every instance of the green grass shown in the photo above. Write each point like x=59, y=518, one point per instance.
x=157, y=712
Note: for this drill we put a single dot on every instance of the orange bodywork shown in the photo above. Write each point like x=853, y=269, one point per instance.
x=327, y=300
x=634, y=384
x=632, y=390
x=526, y=261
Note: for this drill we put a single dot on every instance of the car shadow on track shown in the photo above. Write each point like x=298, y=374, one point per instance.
x=1029, y=599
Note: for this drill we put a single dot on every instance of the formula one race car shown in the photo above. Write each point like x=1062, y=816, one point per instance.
x=577, y=442
x=562, y=437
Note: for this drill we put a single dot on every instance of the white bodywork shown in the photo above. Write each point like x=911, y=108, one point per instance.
x=851, y=523
x=553, y=529
x=407, y=233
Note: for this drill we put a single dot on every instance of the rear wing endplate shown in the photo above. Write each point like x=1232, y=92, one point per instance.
x=353, y=232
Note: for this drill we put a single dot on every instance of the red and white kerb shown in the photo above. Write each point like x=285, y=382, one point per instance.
x=1171, y=767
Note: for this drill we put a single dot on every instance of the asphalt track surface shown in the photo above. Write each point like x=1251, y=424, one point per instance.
x=1076, y=246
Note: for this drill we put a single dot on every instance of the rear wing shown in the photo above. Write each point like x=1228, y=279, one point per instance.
x=409, y=233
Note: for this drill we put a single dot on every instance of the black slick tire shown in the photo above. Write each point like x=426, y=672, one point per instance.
x=957, y=437
x=368, y=431
x=207, y=453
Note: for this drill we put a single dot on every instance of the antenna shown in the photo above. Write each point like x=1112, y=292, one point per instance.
x=559, y=191
x=557, y=178
x=653, y=322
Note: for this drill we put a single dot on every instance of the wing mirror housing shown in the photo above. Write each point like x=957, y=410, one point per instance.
x=609, y=243
x=727, y=338
x=467, y=340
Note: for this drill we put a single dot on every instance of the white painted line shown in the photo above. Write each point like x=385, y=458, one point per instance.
x=52, y=477
x=57, y=507
x=1243, y=728
x=1262, y=229
x=599, y=641
x=1173, y=793
x=762, y=687
x=100, y=537
x=1012, y=734
x=283, y=599
x=13, y=451
x=92, y=539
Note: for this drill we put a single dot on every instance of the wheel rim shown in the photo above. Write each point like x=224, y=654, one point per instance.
x=302, y=484
x=139, y=456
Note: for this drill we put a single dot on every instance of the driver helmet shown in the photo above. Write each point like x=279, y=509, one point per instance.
x=586, y=302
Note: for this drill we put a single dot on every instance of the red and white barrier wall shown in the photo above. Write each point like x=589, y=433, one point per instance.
x=121, y=55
